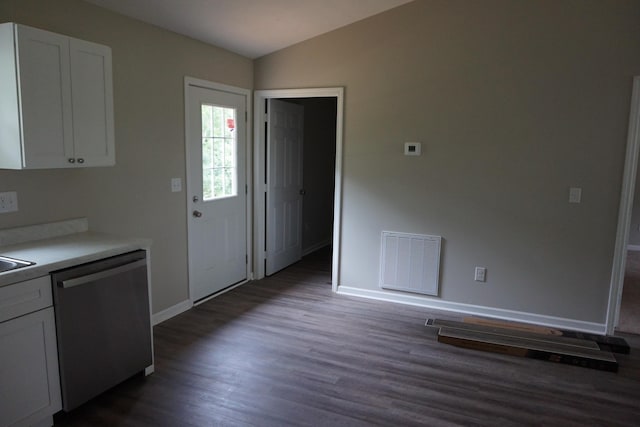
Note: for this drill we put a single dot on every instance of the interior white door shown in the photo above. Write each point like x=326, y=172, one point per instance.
x=284, y=184
x=217, y=216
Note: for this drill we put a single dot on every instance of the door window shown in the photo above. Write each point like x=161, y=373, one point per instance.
x=219, y=152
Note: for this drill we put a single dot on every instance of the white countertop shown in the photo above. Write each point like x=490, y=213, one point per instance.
x=65, y=251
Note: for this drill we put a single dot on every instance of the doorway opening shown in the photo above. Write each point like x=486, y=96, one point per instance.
x=629, y=317
x=625, y=212
x=321, y=166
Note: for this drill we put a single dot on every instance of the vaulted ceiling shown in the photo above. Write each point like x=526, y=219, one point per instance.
x=252, y=28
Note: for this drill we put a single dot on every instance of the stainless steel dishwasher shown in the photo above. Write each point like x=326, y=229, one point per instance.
x=102, y=325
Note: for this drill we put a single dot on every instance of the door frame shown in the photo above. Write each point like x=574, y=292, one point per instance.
x=624, y=213
x=246, y=93
x=259, y=170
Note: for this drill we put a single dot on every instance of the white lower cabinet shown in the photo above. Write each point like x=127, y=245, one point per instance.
x=29, y=378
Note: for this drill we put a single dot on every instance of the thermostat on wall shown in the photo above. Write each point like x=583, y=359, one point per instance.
x=412, y=148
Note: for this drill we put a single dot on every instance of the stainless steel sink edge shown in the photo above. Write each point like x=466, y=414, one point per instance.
x=8, y=264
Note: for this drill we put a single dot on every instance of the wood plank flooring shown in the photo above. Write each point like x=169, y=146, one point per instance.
x=286, y=351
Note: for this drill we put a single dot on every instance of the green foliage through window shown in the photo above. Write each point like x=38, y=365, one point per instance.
x=219, y=152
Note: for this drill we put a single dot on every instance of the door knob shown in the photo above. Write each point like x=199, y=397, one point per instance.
x=197, y=214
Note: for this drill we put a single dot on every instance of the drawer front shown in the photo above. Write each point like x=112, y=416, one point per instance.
x=25, y=297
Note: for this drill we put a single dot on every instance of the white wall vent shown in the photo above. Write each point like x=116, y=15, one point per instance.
x=410, y=262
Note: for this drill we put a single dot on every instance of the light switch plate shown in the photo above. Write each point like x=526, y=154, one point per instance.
x=8, y=202
x=575, y=195
x=176, y=185
x=480, y=274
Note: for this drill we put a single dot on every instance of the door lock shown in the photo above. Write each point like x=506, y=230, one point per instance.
x=195, y=199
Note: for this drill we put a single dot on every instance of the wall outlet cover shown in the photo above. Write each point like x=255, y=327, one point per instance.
x=8, y=202
x=412, y=148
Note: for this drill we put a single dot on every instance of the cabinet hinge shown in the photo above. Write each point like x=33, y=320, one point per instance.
x=246, y=259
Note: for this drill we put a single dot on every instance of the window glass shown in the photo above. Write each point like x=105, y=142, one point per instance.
x=219, y=152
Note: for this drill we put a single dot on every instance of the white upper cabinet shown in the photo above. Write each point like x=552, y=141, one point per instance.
x=92, y=103
x=56, y=107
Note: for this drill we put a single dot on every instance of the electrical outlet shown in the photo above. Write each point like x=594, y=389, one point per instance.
x=8, y=202
x=412, y=148
x=481, y=274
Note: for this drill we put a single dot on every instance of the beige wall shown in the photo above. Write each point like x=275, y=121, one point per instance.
x=133, y=198
x=514, y=102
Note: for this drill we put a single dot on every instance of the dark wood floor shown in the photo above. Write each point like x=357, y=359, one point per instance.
x=286, y=351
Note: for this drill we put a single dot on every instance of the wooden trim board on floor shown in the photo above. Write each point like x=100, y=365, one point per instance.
x=572, y=351
x=542, y=338
x=608, y=343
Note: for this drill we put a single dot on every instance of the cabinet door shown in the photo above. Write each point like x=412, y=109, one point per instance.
x=29, y=379
x=45, y=97
x=92, y=101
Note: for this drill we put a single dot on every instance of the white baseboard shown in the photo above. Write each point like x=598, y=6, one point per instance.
x=170, y=312
x=315, y=247
x=217, y=294
x=498, y=313
x=633, y=247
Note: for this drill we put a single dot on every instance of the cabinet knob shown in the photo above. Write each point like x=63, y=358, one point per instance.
x=72, y=160
x=81, y=160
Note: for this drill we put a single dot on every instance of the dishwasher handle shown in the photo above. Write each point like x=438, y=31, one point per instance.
x=70, y=283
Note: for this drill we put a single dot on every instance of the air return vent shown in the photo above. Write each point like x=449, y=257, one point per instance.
x=410, y=262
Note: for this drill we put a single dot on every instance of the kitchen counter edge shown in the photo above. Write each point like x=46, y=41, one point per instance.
x=67, y=251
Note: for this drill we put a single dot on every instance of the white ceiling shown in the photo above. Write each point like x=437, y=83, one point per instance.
x=252, y=28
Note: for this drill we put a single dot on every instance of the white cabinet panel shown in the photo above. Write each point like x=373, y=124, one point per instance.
x=45, y=97
x=92, y=103
x=30, y=385
x=63, y=113
x=29, y=378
